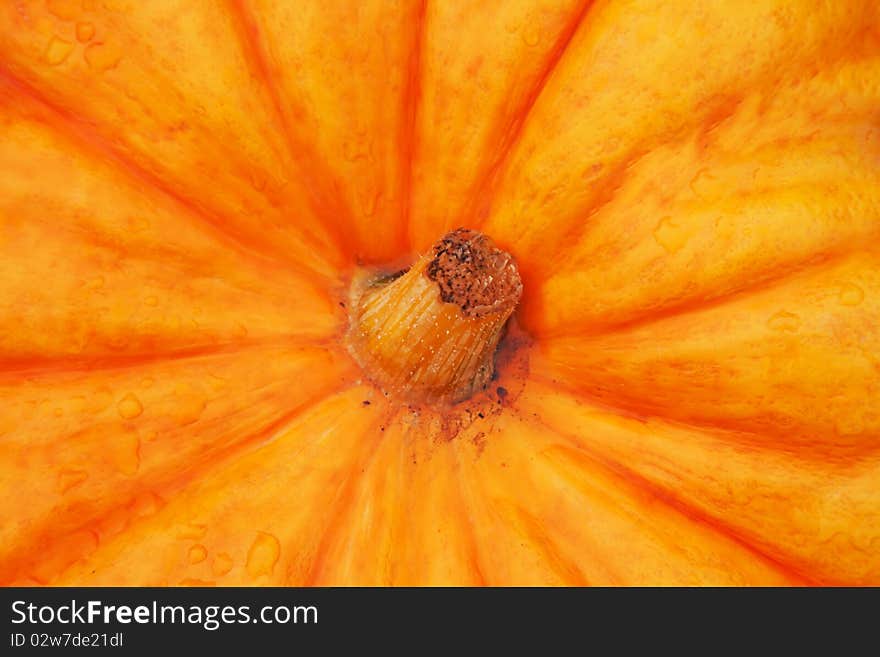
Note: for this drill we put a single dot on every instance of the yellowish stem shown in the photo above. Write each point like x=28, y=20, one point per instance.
x=431, y=333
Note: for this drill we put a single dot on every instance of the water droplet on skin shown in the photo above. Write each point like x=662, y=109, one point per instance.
x=849, y=426
x=114, y=522
x=129, y=407
x=784, y=321
x=671, y=235
x=189, y=405
x=66, y=10
x=126, y=453
x=369, y=203
x=146, y=504
x=192, y=531
x=95, y=283
x=197, y=554
x=592, y=172
x=701, y=183
x=191, y=581
x=99, y=401
x=263, y=555
x=57, y=51
x=222, y=564
x=217, y=383
x=138, y=224
x=350, y=151
x=70, y=478
x=77, y=404
x=259, y=180
x=84, y=32
x=851, y=294
x=531, y=36
x=103, y=57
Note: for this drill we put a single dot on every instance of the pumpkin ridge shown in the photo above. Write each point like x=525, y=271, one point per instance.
x=745, y=438
x=666, y=497
x=660, y=475
x=484, y=191
x=344, y=502
x=552, y=553
x=80, y=134
x=351, y=512
x=641, y=410
x=567, y=259
x=531, y=236
x=328, y=206
x=293, y=452
x=814, y=263
x=472, y=536
x=749, y=364
x=433, y=478
x=412, y=99
x=204, y=204
x=529, y=530
x=617, y=469
x=557, y=473
x=167, y=479
x=34, y=366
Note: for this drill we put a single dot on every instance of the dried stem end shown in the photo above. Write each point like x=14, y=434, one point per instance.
x=431, y=333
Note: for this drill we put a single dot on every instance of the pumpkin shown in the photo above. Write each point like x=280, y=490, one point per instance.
x=686, y=197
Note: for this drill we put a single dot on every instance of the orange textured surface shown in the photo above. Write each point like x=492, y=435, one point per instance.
x=691, y=192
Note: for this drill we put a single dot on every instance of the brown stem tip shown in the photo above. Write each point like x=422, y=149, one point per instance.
x=431, y=333
x=473, y=274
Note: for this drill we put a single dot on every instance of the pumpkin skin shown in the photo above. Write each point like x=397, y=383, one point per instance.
x=691, y=192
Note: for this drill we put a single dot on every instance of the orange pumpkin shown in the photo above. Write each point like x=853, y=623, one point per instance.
x=690, y=390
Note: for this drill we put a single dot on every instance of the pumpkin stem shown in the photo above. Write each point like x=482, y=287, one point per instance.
x=430, y=333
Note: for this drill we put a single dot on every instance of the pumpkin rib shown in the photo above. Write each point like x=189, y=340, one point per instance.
x=378, y=531
x=88, y=271
x=79, y=132
x=319, y=174
x=36, y=365
x=719, y=366
x=327, y=61
x=435, y=544
x=707, y=205
x=239, y=502
x=557, y=567
x=344, y=504
x=614, y=530
x=814, y=264
x=472, y=535
x=364, y=554
x=541, y=182
x=482, y=194
x=60, y=552
x=204, y=130
x=746, y=490
x=409, y=128
x=443, y=459
x=666, y=497
x=450, y=171
x=242, y=423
